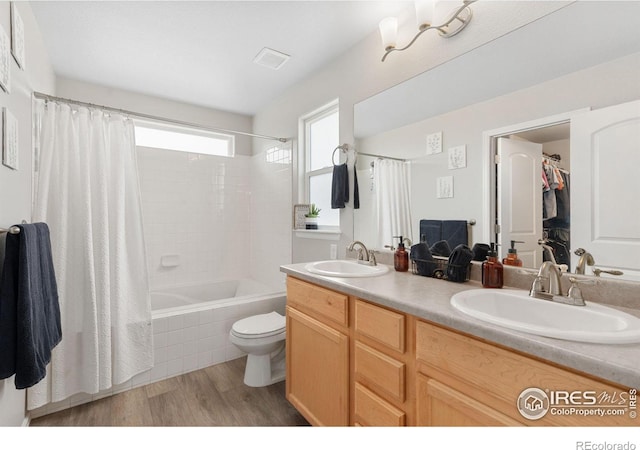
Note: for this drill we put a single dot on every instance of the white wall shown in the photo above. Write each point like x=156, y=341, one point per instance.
x=600, y=86
x=15, y=186
x=359, y=74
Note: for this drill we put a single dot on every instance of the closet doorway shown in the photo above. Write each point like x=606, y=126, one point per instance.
x=604, y=189
x=514, y=208
x=533, y=194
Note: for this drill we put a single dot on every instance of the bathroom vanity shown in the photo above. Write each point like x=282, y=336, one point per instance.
x=392, y=351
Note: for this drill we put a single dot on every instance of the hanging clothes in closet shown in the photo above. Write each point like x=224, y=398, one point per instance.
x=556, y=208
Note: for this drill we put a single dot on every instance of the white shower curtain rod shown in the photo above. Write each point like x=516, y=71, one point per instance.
x=383, y=157
x=41, y=96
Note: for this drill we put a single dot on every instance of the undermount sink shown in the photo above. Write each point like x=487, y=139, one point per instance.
x=514, y=309
x=345, y=268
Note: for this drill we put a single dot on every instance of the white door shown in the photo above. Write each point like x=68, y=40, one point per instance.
x=520, y=198
x=605, y=187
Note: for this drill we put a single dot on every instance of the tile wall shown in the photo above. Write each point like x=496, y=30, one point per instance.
x=196, y=207
x=271, y=214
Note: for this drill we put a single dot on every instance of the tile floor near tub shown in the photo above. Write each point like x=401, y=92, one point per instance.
x=214, y=396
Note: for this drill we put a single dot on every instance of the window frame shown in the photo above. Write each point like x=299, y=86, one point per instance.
x=306, y=121
x=180, y=129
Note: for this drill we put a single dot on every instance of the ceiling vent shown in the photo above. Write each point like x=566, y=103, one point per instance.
x=271, y=58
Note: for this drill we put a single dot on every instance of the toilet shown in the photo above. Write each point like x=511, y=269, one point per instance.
x=262, y=337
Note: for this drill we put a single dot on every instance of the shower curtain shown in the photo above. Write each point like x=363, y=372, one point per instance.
x=86, y=189
x=393, y=201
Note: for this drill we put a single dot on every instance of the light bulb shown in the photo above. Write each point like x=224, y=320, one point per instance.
x=424, y=12
x=389, y=32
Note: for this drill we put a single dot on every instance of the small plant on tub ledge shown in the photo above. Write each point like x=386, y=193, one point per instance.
x=311, y=218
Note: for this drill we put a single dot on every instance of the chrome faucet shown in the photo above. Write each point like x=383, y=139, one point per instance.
x=550, y=271
x=585, y=259
x=363, y=253
x=543, y=243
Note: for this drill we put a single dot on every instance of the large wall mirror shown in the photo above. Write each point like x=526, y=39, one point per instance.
x=439, y=133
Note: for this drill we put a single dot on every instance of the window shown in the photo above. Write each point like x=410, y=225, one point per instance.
x=278, y=155
x=321, y=137
x=183, y=139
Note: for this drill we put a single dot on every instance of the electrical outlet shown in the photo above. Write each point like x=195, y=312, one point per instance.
x=333, y=251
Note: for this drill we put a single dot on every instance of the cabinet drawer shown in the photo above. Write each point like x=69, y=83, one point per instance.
x=499, y=376
x=311, y=298
x=380, y=371
x=374, y=411
x=380, y=324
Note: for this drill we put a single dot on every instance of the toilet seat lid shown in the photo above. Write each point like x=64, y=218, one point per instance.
x=260, y=325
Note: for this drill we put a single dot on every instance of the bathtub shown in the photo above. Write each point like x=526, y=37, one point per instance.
x=191, y=323
x=200, y=297
x=191, y=326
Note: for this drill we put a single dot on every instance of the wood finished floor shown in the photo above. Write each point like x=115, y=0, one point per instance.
x=214, y=396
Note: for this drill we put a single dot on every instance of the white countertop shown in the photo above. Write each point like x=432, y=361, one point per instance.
x=429, y=299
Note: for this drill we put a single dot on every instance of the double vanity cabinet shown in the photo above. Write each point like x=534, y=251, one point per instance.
x=355, y=362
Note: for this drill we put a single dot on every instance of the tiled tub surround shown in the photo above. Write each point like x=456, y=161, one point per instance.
x=429, y=299
x=197, y=336
x=195, y=207
x=224, y=218
x=190, y=337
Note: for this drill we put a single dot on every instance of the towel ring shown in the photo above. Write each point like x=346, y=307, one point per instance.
x=344, y=148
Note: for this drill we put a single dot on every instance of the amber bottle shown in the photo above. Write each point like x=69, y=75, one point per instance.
x=492, y=270
x=401, y=258
x=512, y=257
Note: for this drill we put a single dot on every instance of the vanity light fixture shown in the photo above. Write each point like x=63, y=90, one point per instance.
x=456, y=21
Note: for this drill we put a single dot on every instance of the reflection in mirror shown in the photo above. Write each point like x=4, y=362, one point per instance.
x=385, y=202
x=533, y=195
x=603, y=73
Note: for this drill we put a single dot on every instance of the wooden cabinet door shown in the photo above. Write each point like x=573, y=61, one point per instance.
x=438, y=405
x=317, y=381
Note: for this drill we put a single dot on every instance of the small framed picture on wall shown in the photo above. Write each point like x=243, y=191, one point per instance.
x=5, y=61
x=17, y=36
x=9, y=140
x=299, y=213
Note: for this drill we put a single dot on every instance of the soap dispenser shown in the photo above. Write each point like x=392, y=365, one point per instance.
x=401, y=257
x=492, y=270
x=512, y=257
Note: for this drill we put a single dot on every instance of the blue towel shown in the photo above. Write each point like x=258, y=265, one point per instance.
x=423, y=259
x=431, y=230
x=480, y=251
x=356, y=190
x=440, y=248
x=339, y=186
x=29, y=311
x=455, y=232
x=458, y=265
x=420, y=251
x=452, y=231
